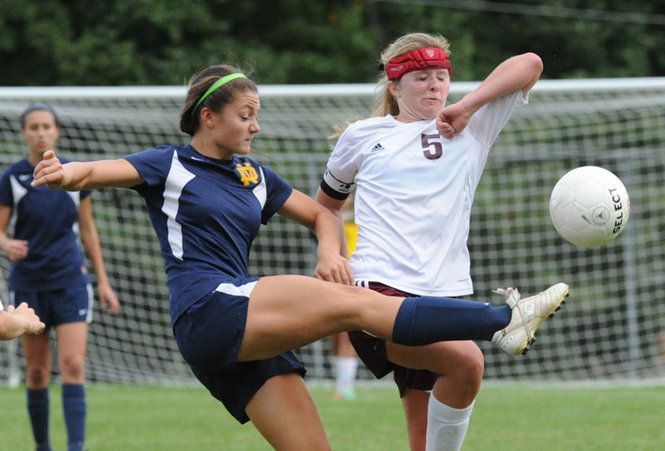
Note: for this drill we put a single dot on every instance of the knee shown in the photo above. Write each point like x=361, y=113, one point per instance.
x=73, y=367
x=37, y=377
x=470, y=369
x=476, y=368
x=359, y=304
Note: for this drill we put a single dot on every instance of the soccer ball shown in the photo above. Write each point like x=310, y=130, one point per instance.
x=589, y=206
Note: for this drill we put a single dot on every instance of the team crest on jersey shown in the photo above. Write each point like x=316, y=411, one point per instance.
x=247, y=174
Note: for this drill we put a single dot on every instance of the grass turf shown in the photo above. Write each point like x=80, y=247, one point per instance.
x=505, y=418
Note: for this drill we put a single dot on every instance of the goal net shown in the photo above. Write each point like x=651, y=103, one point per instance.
x=613, y=326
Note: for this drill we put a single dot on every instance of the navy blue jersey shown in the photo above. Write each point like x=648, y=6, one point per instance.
x=48, y=220
x=206, y=213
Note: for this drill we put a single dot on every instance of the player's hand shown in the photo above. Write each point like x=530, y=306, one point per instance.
x=333, y=267
x=16, y=249
x=31, y=322
x=451, y=120
x=50, y=172
x=109, y=300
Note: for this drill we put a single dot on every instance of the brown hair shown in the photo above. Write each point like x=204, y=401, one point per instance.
x=39, y=107
x=384, y=102
x=199, y=84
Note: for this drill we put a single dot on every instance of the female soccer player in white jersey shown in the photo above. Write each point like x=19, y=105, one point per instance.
x=48, y=273
x=206, y=201
x=415, y=166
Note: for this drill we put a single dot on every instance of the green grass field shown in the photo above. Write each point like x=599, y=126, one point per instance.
x=506, y=418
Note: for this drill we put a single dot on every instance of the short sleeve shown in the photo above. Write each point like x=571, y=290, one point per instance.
x=278, y=191
x=486, y=124
x=152, y=165
x=342, y=167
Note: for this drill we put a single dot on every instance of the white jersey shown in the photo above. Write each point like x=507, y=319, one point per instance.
x=414, y=195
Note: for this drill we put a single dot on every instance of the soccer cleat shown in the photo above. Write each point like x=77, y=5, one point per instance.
x=527, y=314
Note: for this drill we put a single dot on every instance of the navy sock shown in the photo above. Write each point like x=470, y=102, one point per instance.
x=38, y=410
x=73, y=406
x=428, y=319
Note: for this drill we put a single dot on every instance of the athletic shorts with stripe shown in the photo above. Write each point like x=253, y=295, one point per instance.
x=209, y=334
x=59, y=306
x=372, y=351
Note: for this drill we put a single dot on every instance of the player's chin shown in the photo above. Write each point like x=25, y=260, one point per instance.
x=429, y=112
x=244, y=148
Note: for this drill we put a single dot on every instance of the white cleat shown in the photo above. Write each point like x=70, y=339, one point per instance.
x=527, y=314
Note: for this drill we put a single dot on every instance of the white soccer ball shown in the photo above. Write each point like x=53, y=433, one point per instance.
x=589, y=206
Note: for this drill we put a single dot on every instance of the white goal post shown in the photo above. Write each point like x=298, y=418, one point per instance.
x=613, y=326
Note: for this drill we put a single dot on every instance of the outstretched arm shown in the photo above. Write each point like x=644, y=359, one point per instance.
x=515, y=73
x=76, y=176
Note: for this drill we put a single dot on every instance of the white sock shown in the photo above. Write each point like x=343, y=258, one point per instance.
x=345, y=373
x=446, y=426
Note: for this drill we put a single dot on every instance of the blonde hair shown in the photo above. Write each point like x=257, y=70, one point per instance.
x=384, y=103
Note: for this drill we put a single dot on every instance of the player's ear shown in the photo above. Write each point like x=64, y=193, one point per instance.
x=393, y=88
x=207, y=117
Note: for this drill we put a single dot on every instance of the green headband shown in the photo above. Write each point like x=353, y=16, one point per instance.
x=216, y=85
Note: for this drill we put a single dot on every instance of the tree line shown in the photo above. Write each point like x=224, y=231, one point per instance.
x=163, y=42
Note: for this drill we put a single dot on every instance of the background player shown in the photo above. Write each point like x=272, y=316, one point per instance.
x=48, y=273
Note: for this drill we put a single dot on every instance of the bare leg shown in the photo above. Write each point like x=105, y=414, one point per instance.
x=72, y=339
x=414, y=404
x=284, y=413
x=342, y=345
x=37, y=353
x=287, y=312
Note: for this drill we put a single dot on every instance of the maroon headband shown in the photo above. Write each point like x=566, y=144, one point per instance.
x=418, y=59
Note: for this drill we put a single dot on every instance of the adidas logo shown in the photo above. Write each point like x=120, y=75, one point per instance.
x=377, y=148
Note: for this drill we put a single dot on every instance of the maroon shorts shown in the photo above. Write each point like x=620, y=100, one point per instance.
x=372, y=351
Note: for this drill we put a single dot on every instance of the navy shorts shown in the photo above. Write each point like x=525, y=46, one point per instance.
x=372, y=351
x=60, y=306
x=209, y=334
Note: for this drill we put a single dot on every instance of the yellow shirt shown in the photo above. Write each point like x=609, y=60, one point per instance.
x=351, y=235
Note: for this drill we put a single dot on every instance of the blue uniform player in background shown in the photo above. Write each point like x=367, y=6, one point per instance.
x=206, y=202
x=49, y=274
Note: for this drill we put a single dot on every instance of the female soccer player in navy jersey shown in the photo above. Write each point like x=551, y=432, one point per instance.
x=48, y=273
x=207, y=201
x=416, y=165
